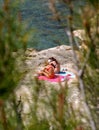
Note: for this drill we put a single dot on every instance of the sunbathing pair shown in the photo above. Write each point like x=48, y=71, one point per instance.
x=51, y=68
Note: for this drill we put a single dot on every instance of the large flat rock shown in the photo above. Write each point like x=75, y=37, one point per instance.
x=62, y=53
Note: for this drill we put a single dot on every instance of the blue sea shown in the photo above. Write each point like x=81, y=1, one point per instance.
x=45, y=31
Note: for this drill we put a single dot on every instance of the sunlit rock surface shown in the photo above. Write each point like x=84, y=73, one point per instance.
x=26, y=89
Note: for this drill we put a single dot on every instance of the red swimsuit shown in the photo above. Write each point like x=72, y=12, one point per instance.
x=51, y=74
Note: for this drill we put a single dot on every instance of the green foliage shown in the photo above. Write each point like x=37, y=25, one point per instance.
x=94, y=3
x=11, y=40
x=91, y=72
x=42, y=125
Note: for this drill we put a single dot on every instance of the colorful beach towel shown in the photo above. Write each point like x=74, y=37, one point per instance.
x=66, y=73
x=61, y=76
x=57, y=78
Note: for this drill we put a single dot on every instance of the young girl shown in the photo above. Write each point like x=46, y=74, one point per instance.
x=48, y=71
x=55, y=64
x=51, y=68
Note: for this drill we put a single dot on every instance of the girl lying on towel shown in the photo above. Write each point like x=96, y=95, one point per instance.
x=55, y=63
x=51, y=68
x=48, y=71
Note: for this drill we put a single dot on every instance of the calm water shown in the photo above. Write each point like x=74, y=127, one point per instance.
x=46, y=32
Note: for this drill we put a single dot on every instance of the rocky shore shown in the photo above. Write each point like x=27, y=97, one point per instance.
x=35, y=61
x=63, y=54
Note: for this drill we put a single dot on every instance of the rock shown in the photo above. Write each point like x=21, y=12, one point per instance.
x=80, y=34
x=45, y=90
x=62, y=53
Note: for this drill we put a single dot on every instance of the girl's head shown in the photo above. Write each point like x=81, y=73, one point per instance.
x=52, y=59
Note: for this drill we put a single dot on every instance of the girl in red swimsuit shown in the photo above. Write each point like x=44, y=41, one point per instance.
x=55, y=63
x=51, y=68
x=48, y=71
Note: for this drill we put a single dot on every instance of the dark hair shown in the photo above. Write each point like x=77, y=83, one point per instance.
x=53, y=59
x=53, y=65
